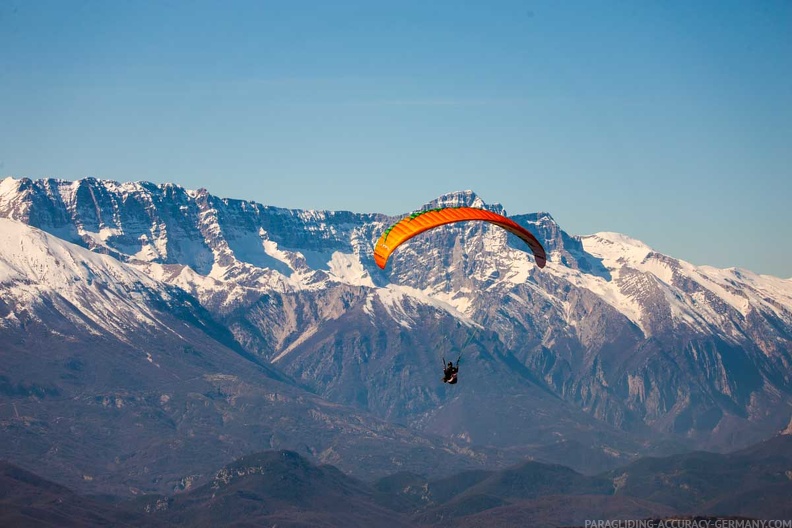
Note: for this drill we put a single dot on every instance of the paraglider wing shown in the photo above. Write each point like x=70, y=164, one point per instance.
x=421, y=221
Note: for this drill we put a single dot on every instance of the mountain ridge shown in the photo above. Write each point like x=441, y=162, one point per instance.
x=612, y=346
x=282, y=486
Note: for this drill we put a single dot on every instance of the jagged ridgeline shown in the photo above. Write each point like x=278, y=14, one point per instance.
x=202, y=308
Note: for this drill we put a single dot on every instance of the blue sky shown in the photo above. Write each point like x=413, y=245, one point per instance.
x=668, y=121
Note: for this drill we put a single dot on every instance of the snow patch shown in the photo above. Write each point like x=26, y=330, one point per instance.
x=394, y=299
x=348, y=269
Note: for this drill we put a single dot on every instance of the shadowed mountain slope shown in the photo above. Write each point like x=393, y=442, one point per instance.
x=285, y=489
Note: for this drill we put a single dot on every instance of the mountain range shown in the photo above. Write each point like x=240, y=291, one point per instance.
x=151, y=333
x=285, y=489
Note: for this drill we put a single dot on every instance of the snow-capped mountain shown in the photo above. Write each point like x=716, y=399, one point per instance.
x=611, y=338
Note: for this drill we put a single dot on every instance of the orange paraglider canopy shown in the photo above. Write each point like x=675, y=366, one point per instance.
x=417, y=223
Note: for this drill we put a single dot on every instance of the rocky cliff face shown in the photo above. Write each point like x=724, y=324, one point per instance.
x=612, y=344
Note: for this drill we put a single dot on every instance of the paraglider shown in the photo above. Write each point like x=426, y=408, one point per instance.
x=421, y=221
x=450, y=372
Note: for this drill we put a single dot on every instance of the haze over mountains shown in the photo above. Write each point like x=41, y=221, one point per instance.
x=151, y=334
x=285, y=489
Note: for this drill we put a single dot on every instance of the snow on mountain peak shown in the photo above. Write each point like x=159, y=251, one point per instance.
x=466, y=198
x=8, y=186
x=615, y=248
x=620, y=238
x=240, y=243
x=10, y=190
x=39, y=268
x=28, y=253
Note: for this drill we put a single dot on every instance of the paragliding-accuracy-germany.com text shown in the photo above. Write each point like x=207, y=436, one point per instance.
x=689, y=523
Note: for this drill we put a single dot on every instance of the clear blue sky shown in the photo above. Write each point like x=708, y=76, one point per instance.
x=669, y=121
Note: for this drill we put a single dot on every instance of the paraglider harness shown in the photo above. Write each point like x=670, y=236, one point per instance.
x=450, y=371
